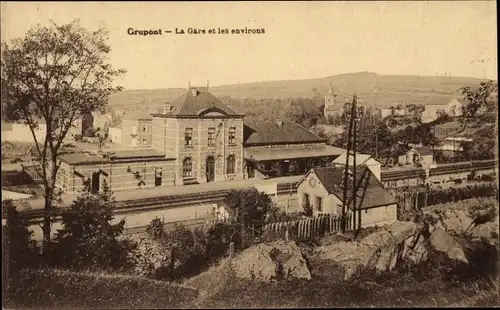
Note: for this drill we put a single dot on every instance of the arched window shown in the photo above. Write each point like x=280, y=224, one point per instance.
x=187, y=167
x=230, y=164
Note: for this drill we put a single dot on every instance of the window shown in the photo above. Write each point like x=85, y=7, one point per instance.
x=144, y=128
x=187, y=168
x=144, y=140
x=319, y=204
x=230, y=164
x=232, y=135
x=211, y=136
x=188, y=137
x=306, y=200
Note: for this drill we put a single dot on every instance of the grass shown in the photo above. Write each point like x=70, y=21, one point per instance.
x=52, y=288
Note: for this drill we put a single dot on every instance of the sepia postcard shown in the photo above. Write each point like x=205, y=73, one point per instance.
x=247, y=154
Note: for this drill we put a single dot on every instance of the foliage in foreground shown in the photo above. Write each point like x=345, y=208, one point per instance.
x=50, y=288
x=89, y=238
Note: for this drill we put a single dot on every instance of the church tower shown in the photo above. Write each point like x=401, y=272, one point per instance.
x=331, y=107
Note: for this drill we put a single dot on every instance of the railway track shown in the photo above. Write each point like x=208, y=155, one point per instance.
x=175, y=201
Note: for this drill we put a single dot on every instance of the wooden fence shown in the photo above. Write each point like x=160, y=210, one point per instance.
x=417, y=200
x=306, y=229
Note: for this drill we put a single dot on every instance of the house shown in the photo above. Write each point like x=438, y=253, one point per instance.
x=452, y=146
x=361, y=160
x=115, y=132
x=322, y=189
x=452, y=108
x=136, y=129
x=280, y=148
x=385, y=112
x=15, y=132
x=422, y=154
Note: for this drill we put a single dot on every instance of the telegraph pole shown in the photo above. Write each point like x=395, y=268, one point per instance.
x=346, y=168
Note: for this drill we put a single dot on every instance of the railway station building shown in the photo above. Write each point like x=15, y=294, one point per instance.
x=196, y=139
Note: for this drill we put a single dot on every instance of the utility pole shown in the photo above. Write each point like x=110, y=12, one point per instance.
x=346, y=168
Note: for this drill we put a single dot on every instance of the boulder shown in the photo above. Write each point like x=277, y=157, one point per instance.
x=444, y=242
x=381, y=250
x=488, y=231
x=267, y=261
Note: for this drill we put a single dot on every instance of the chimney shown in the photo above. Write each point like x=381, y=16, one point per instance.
x=279, y=123
x=194, y=92
x=167, y=108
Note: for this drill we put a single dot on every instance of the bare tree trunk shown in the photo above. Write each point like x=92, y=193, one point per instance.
x=47, y=227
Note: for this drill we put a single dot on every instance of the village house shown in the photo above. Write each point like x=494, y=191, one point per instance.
x=452, y=108
x=14, y=132
x=136, y=130
x=421, y=154
x=453, y=146
x=115, y=132
x=322, y=190
x=361, y=160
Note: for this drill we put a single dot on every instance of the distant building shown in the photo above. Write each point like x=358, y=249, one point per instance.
x=361, y=160
x=423, y=155
x=332, y=107
x=137, y=130
x=385, y=112
x=14, y=132
x=115, y=132
x=322, y=189
x=453, y=108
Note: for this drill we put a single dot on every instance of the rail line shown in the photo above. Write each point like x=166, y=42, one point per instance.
x=174, y=201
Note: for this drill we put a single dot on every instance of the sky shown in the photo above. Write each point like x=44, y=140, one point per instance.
x=302, y=40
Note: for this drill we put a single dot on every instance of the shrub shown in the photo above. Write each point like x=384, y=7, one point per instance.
x=155, y=228
x=88, y=238
x=18, y=248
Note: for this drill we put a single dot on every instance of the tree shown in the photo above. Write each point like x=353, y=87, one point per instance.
x=58, y=74
x=248, y=207
x=88, y=237
x=476, y=99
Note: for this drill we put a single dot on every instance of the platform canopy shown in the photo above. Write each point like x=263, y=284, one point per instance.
x=278, y=153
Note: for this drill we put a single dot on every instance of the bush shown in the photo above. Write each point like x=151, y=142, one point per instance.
x=18, y=249
x=88, y=239
x=155, y=228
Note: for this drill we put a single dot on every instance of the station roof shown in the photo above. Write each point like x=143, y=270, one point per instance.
x=277, y=132
x=283, y=152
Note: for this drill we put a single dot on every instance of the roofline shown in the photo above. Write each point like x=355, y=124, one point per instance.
x=305, y=176
x=197, y=116
x=109, y=161
x=283, y=143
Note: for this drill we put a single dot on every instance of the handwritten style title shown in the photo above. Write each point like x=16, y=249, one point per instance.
x=194, y=31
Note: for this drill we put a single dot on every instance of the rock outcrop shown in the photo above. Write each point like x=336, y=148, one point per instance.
x=444, y=242
x=381, y=250
x=478, y=219
x=268, y=261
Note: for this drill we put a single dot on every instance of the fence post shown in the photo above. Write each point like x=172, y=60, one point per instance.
x=231, y=250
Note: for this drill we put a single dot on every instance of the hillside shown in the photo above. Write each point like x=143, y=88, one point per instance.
x=373, y=89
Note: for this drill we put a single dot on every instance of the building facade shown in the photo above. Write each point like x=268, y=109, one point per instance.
x=205, y=135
